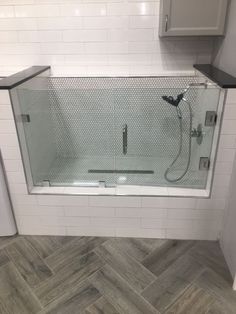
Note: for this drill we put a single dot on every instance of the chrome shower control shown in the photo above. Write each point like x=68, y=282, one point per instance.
x=198, y=133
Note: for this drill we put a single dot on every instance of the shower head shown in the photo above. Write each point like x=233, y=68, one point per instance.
x=175, y=102
x=172, y=101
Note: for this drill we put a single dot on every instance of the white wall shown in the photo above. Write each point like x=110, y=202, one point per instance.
x=225, y=59
x=225, y=51
x=93, y=37
x=228, y=239
x=7, y=223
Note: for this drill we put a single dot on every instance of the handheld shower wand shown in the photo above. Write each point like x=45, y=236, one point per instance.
x=175, y=102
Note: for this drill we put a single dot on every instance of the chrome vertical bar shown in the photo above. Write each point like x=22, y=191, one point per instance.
x=125, y=138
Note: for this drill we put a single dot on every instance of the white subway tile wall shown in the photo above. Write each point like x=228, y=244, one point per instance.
x=93, y=37
x=98, y=37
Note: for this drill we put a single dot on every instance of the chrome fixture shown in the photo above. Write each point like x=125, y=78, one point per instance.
x=204, y=163
x=211, y=117
x=192, y=133
x=125, y=138
x=198, y=133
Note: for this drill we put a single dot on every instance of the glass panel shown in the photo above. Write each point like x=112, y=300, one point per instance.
x=70, y=132
x=116, y=131
x=83, y=121
x=32, y=114
x=160, y=150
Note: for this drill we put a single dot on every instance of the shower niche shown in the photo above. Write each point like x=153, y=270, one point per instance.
x=112, y=132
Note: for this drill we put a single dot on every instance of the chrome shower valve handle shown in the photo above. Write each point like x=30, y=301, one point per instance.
x=198, y=133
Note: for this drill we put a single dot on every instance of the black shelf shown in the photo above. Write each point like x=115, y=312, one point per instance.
x=21, y=77
x=218, y=76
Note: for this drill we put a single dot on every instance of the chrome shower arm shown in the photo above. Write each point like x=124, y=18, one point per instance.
x=204, y=84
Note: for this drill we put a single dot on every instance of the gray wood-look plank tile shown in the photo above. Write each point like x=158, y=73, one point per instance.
x=88, y=275
x=75, y=248
x=15, y=295
x=138, y=248
x=3, y=310
x=68, y=277
x=209, y=254
x=219, y=287
x=101, y=306
x=28, y=262
x=117, y=291
x=132, y=271
x=163, y=257
x=76, y=301
x=6, y=240
x=193, y=301
x=3, y=259
x=172, y=282
x=218, y=308
x=47, y=245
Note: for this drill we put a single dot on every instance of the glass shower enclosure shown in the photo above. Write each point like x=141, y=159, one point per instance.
x=111, y=131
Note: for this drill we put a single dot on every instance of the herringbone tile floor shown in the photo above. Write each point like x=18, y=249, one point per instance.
x=91, y=275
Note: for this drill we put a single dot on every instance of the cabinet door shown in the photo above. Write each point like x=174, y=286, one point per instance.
x=192, y=17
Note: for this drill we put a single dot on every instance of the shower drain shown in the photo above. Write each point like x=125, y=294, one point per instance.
x=121, y=171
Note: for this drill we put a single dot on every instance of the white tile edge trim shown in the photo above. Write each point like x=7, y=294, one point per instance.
x=122, y=191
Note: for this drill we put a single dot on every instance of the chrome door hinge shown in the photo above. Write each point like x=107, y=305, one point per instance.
x=25, y=118
x=204, y=163
x=46, y=183
x=211, y=118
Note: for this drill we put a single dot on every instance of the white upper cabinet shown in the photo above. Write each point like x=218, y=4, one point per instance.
x=192, y=17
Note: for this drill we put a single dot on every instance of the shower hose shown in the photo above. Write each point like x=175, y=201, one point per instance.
x=167, y=172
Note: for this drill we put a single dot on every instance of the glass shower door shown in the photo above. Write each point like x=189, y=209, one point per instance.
x=83, y=119
x=138, y=138
x=68, y=129
x=153, y=136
